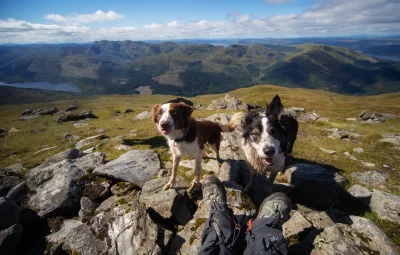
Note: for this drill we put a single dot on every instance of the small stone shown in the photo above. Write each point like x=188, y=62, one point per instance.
x=358, y=150
x=128, y=110
x=12, y=130
x=349, y=155
x=90, y=150
x=367, y=164
x=144, y=115
x=29, y=117
x=100, y=131
x=71, y=108
x=26, y=112
x=122, y=147
x=351, y=119
x=71, y=137
x=90, y=140
x=386, y=166
x=80, y=125
x=327, y=151
x=323, y=119
x=45, y=149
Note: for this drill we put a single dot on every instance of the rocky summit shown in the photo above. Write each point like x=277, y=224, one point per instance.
x=103, y=192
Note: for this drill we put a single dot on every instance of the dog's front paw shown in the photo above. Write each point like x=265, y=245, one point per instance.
x=169, y=185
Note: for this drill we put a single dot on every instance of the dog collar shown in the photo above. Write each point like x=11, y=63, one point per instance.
x=179, y=140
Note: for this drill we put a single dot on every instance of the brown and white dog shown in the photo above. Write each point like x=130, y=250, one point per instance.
x=185, y=136
x=267, y=139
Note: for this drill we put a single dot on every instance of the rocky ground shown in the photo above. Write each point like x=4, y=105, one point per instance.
x=77, y=202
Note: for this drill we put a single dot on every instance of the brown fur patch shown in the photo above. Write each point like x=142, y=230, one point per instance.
x=155, y=113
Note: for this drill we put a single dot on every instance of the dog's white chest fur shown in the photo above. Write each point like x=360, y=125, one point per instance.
x=191, y=149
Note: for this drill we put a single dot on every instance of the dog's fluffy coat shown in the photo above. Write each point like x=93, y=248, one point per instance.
x=185, y=136
x=266, y=140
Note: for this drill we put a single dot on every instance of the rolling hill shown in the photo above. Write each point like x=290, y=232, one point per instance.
x=107, y=67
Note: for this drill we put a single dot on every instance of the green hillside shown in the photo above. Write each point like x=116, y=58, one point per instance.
x=106, y=67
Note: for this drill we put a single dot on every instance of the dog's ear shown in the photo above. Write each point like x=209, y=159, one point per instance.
x=275, y=108
x=186, y=110
x=154, y=112
x=247, y=120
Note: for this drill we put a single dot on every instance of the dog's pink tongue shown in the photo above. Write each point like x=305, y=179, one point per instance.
x=164, y=131
x=269, y=161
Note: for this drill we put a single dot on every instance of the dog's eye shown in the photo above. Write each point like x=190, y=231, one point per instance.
x=173, y=113
x=160, y=112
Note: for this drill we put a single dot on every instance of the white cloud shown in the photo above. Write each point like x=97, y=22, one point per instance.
x=96, y=17
x=329, y=18
x=277, y=1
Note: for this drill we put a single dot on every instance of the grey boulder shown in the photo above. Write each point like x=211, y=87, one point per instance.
x=123, y=224
x=143, y=115
x=58, y=187
x=170, y=203
x=136, y=166
x=76, y=115
x=361, y=237
x=385, y=205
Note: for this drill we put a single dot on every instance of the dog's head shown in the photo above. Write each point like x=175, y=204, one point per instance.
x=171, y=116
x=264, y=132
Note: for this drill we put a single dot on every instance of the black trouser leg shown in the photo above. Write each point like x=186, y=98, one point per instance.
x=263, y=240
x=219, y=232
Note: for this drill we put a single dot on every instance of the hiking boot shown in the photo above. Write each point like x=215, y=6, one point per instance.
x=276, y=206
x=213, y=189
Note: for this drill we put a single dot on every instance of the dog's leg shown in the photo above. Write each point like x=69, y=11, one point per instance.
x=215, y=147
x=251, y=181
x=270, y=181
x=197, y=171
x=175, y=163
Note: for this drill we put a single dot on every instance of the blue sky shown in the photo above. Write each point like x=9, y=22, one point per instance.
x=27, y=21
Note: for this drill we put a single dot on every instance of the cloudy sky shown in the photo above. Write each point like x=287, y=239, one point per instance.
x=58, y=21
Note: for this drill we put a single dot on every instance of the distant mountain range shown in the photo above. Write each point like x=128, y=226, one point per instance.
x=187, y=68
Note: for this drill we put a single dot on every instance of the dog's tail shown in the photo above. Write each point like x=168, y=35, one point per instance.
x=233, y=123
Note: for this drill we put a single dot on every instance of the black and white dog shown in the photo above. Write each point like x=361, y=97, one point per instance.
x=266, y=140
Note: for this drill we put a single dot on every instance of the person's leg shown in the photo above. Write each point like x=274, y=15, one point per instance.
x=264, y=234
x=219, y=233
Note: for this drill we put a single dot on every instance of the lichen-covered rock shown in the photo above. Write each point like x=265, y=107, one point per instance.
x=68, y=154
x=360, y=193
x=170, y=203
x=71, y=108
x=370, y=178
x=315, y=185
x=87, y=209
x=361, y=237
x=136, y=166
x=385, y=205
x=57, y=188
x=123, y=224
x=97, y=189
x=121, y=188
x=228, y=102
x=295, y=225
x=75, y=115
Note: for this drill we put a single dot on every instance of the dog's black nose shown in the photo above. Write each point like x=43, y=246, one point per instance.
x=269, y=151
x=164, y=125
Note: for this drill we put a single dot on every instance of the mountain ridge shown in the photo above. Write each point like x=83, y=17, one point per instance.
x=108, y=67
